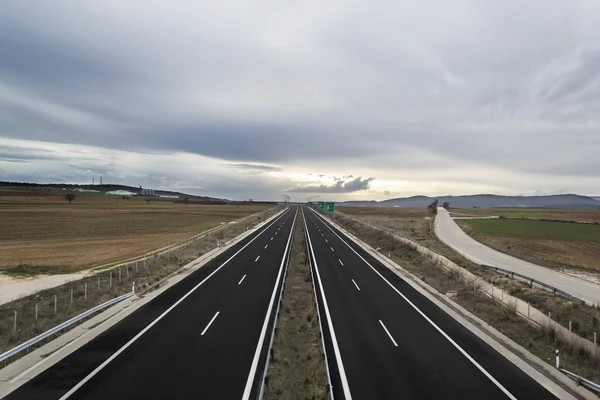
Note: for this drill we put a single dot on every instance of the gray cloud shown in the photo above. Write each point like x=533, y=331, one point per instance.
x=340, y=186
x=330, y=89
x=257, y=167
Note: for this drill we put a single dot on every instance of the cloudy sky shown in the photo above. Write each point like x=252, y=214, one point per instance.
x=342, y=99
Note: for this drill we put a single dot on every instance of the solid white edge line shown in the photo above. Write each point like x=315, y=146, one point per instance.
x=336, y=349
x=263, y=332
x=241, y=280
x=471, y=359
x=355, y=285
x=210, y=323
x=389, y=334
x=341, y=262
x=161, y=316
x=257, y=259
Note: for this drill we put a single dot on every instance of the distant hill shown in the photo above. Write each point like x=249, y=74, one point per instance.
x=572, y=201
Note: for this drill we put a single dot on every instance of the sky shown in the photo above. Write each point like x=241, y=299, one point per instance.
x=345, y=100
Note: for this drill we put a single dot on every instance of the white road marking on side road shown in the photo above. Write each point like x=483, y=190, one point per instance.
x=341, y=262
x=210, y=323
x=444, y=334
x=241, y=280
x=388, y=332
x=336, y=349
x=161, y=316
x=263, y=332
x=257, y=259
x=355, y=285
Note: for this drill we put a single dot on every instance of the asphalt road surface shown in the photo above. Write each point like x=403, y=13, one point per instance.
x=450, y=233
x=205, y=338
x=384, y=340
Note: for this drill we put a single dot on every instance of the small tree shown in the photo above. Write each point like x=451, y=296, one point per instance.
x=433, y=207
x=70, y=197
x=446, y=205
x=186, y=200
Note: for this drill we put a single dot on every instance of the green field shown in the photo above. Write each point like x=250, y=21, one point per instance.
x=587, y=215
x=533, y=229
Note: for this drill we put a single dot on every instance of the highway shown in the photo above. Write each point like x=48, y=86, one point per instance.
x=452, y=235
x=384, y=340
x=205, y=337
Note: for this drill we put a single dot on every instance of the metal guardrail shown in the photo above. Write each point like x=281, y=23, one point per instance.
x=588, y=384
x=58, y=328
x=532, y=281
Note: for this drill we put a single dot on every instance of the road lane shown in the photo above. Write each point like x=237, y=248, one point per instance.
x=452, y=235
x=183, y=354
x=436, y=357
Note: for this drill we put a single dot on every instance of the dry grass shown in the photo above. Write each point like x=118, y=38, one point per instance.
x=298, y=370
x=88, y=233
x=556, y=214
x=585, y=319
x=146, y=276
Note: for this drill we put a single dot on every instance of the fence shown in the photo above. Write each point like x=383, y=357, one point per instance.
x=532, y=281
x=31, y=342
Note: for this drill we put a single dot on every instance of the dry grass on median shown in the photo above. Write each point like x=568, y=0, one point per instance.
x=298, y=369
x=145, y=277
x=539, y=342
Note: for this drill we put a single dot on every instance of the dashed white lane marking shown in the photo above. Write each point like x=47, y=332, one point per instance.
x=241, y=280
x=388, y=332
x=257, y=259
x=341, y=262
x=331, y=248
x=326, y=240
x=210, y=323
x=266, y=246
x=357, y=286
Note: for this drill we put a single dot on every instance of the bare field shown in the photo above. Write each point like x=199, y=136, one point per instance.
x=94, y=230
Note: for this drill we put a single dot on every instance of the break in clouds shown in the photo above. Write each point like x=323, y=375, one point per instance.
x=239, y=100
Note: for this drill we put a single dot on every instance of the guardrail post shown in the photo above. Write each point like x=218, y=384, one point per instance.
x=110, y=280
x=137, y=271
x=119, y=275
x=127, y=271
x=557, y=360
x=85, y=291
x=549, y=319
x=594, y=344
x=36, y=311
x=55, y=304
x=98, y=283
x=15, y=324
x=133, y=287
x=71, y=295
x=493, y=292
x=528, y=311
x=570, y=334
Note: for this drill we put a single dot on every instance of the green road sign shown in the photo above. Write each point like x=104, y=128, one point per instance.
x=330, y=207
x=310, y=204
x=322, y=205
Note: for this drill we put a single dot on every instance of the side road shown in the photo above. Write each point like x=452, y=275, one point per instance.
x=450, y=233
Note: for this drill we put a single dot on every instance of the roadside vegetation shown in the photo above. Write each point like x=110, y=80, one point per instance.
x=43, y=238
x=297, y=371
x=409, y=223
x=103, y=286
